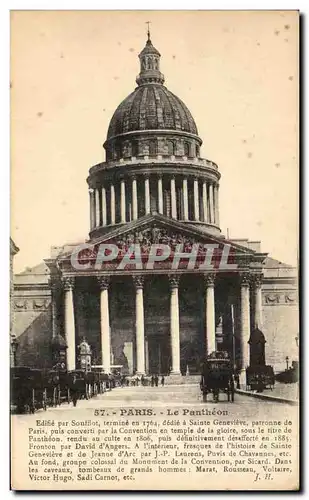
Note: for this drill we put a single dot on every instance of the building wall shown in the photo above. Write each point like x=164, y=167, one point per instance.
x=33, y=321
x=33, y=329
x=280, y=326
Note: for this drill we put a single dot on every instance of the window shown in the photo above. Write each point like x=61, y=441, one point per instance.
x=167, y=203
x=117, y=150
x=187, y=149
x=124, y=149
x=152, y=148
x=171, y=148
x=179, y=202
x=134, y=148
x=109, y=153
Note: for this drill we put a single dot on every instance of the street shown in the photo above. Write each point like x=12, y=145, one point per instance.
x=169, y=396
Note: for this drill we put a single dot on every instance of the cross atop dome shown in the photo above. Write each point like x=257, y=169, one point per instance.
x=149, y=64
x=148, y=30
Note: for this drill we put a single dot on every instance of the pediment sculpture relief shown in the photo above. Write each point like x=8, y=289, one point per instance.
x=147, y=237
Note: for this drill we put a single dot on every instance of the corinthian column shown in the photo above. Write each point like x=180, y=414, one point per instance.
x=69, y=322
x=134, y=198
x=185, y=199
x=205, y=201
x=211, y=204
x=210, y=312
x=139, y=325
x=113, y=206
x=104, y=219
x=122, y=201
x=147, y=196
x=173, y=198
x=244, y=325
x=196, y=200
x=97, y=208
x=92, y=208
x=216, y=204
x=160, y=195
x=257, y=283
x=54, y=306
x=104, y=321
x=174, y=325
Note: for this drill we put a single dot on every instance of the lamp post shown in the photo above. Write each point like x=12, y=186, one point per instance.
x=287, y=362
x=14, y=347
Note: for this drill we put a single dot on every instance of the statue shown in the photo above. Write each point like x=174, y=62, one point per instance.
x=85, y=355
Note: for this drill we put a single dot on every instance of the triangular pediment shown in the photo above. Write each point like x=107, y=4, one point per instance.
x=176, y=238
x=159, y=229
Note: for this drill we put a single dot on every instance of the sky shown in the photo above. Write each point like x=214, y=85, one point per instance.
x=236, y=71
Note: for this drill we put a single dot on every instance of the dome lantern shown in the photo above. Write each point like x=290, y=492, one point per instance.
x=149, y=64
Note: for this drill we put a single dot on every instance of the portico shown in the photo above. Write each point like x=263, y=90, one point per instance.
x=159, y=319
x=154, y=287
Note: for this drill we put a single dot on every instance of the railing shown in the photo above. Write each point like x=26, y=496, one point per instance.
x=158, y=159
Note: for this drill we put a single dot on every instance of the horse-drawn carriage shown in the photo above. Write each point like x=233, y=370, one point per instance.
x=28, y=389
x=33, y=389
x=78, y=385
x=217, y=375
x=260, y=377
x=100, y=380
x=86, y=384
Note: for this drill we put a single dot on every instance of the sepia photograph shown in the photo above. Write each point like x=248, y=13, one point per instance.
x=154, y=261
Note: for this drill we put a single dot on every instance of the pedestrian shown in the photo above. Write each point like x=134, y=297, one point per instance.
x=74, y=390
x=156, y=380
x=152, y=381
x=162, y=380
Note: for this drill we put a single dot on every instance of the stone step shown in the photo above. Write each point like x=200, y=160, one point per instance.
x=181, y=379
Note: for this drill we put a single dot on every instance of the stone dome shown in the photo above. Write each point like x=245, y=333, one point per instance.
x=151, y=107
x=152, y=161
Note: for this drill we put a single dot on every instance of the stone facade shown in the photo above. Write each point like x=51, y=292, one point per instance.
x=34, y=323
x=32, y=317
x=154, y=188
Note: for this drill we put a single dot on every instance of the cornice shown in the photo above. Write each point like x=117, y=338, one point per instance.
x=189, y=170
x=156, y=132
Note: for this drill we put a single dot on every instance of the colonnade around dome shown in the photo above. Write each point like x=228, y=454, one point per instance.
x=181, y=197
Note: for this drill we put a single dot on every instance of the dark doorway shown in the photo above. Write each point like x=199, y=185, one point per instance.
x=158, y=354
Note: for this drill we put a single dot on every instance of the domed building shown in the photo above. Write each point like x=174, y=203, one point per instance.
x=153, y=162
x=175, y=288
